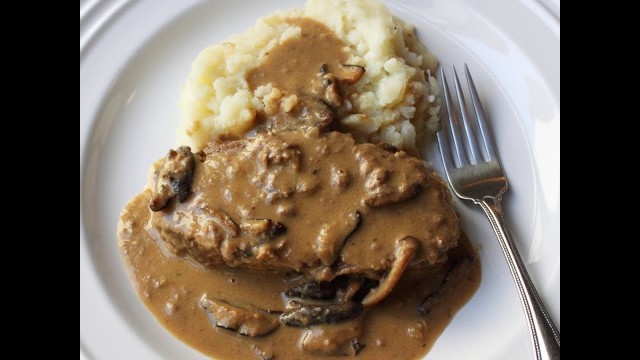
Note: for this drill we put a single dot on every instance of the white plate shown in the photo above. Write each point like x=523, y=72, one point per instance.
x=134, y=56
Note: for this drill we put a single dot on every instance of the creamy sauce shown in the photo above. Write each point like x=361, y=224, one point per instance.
x=240, y=224
x=312, y=68
x=293, y=65
x=310, y=182
x=171, y=287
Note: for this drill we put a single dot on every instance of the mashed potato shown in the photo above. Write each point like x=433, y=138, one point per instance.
x=396, y=101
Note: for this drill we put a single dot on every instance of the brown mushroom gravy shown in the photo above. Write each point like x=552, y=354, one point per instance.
x=313, y=67
x=298, y=242
x=298, y=58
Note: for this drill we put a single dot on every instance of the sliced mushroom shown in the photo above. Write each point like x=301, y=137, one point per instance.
x=365, y=288
x=346, y=74
x=334, y=340
x=353, y=286
x=245, y=322
x=223, y=219
x=458, y=270
x=406, y=248
x=350, y=74
x=174, y=178
x=312, y=290
x=301, y=313
x=315, y=112
x=333, y=236
x=332, y=93
x=264, y=228
x=256, y=227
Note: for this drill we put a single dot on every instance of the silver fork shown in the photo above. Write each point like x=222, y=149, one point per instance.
x=474, y=172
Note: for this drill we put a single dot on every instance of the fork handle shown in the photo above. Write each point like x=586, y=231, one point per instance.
x=544, y=334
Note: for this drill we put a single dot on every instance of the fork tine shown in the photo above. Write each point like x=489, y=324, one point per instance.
x=485, y=132
x=445, y=152
x=469, y=133
x=443, y=140
x=458, y=146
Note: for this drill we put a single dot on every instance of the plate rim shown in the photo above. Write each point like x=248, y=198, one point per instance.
x=116, y=9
